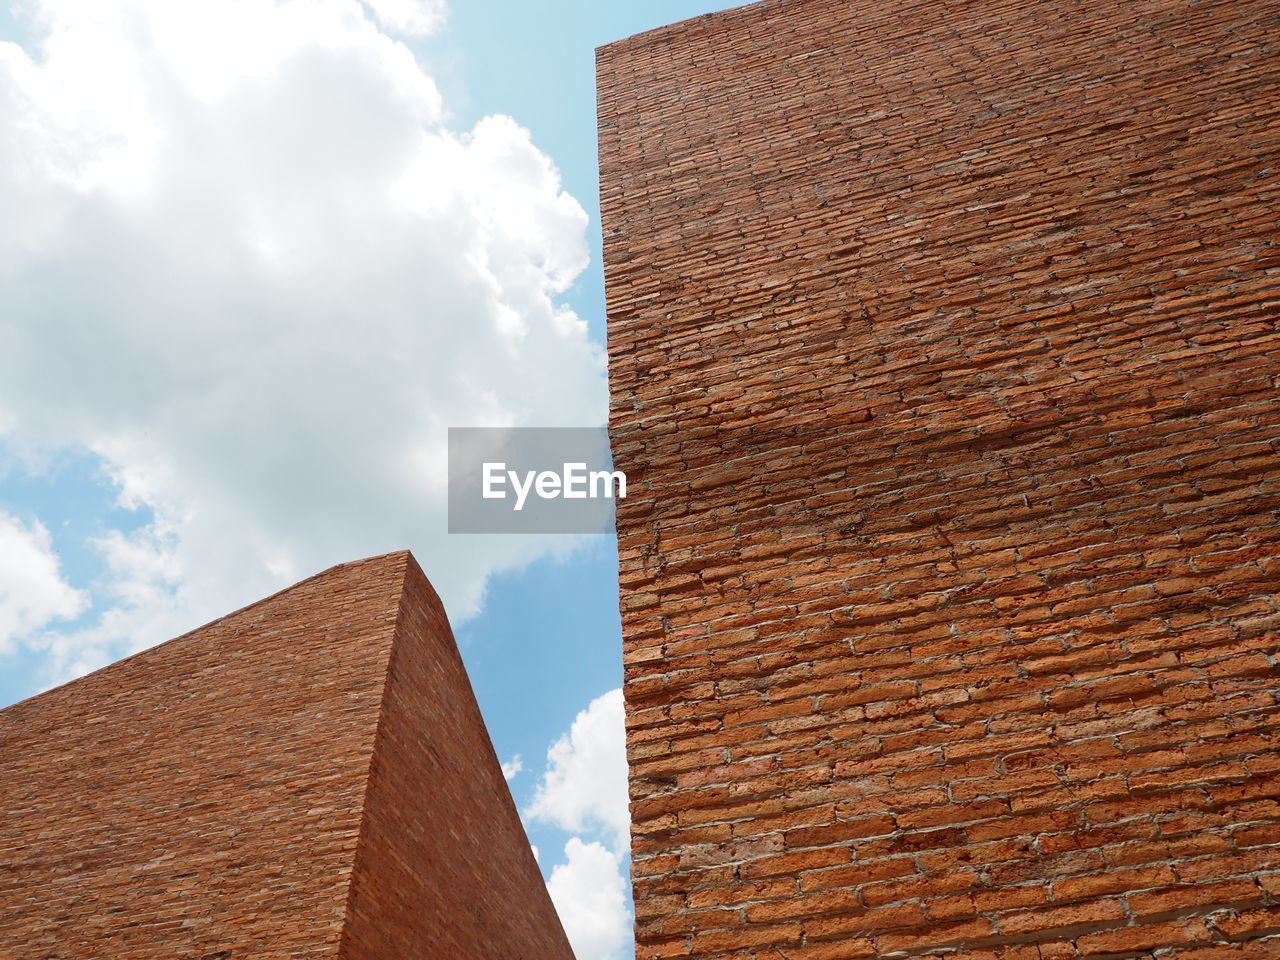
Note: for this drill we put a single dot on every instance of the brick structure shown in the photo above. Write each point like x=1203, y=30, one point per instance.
x=945, y=361
x=307, y=777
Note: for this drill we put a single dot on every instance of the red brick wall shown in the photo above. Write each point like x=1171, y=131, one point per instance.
x=228, y=794
x=944, y=360
x=444, y=869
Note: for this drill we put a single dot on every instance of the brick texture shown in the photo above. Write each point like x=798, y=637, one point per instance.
x=308, y=777
x=944, y=361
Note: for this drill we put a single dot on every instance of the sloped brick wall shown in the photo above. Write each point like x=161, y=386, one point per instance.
x=444, y=869
x=308, y=777
x=945, y=369
x=201, y=798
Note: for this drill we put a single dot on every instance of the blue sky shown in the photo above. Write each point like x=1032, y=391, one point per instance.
x=248, y=282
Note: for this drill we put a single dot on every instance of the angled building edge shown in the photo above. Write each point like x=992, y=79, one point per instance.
x=309, y=776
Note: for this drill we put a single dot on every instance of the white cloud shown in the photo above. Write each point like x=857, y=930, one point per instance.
x=140, y=595
x=585, y=783
x=589, y=892
x=511, y=767
x=245, y=262
x=413, y=17
x=584, y=791
x=33, y=593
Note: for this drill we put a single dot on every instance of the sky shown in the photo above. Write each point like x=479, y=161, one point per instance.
x=255, y=257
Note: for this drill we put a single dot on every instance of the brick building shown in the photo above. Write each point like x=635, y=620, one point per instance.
x=944, y=360
x=308, y=777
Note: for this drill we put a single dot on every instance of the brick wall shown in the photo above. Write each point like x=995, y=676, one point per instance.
x=444, y=869
x=944, y=360
x=286, y=782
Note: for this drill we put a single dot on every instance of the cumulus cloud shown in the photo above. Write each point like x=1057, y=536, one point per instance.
x=584, y=791
x=511, y=767
x=589, y=892
x=585, y=783
x=246, y=262
x=33, y=593
x=413, y=17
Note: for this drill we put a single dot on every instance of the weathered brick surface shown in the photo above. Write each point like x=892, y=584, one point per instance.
x=944, y=361
x=444, y=869
x=307, y=777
